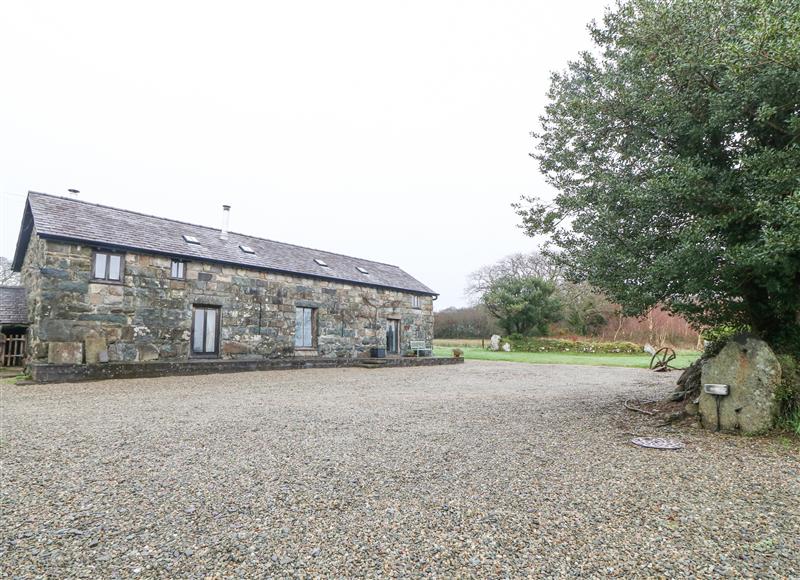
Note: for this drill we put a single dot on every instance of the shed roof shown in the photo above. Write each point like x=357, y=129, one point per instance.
x=64, y=218
x=13, y=305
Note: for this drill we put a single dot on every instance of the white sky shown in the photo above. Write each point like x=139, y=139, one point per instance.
x=393, y=131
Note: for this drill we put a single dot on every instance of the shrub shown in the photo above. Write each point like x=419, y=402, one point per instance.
x=565, y=345
x=723, y=333
x=788, y=394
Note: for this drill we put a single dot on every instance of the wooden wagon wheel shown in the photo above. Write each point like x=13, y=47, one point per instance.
x=661, y=359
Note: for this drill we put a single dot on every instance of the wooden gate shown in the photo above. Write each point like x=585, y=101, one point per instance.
x=13, y=350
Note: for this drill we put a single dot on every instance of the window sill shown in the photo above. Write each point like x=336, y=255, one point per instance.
x=110, y=282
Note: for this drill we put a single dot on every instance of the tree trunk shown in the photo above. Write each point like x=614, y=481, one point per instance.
x=689, y=382
x=620, y=320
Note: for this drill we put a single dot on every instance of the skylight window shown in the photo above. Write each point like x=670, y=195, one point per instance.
x=247, y=249
x=321, y=262
x=362, y=270
x=191, y=239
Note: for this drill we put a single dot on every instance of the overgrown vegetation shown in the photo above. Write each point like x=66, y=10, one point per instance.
x=788, y=395
x=16, y=379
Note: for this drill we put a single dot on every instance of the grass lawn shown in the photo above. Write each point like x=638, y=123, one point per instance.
x=685, y=358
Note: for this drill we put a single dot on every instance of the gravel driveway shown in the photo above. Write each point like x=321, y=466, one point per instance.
x=482, y=469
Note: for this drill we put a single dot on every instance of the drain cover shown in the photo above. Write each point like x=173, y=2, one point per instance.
x=657, y=443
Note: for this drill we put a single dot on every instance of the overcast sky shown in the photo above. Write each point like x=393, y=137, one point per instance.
x=393, y=131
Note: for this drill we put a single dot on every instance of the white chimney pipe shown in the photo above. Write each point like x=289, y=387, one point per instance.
x=226, y=214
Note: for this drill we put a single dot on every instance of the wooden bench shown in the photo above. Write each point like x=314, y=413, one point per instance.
x=420, y=347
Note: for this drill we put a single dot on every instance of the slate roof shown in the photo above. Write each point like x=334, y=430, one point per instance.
x=13, y=305
x=66, y=218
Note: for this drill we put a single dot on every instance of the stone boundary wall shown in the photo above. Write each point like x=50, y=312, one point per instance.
x=70, y=373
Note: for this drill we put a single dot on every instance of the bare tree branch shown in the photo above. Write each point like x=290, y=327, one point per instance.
x=517, y=265
x=7, y=276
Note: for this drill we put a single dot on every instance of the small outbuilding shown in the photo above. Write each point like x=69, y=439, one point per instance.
x=13, y=325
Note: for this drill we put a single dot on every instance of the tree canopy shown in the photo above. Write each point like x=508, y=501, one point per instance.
x=523, y=305
x=517, y=265
x=674, y=147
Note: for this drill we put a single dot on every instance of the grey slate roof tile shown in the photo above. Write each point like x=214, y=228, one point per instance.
x=68, y=218
x=13, y=305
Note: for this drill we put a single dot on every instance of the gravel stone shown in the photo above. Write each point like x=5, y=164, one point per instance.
x=475, y=470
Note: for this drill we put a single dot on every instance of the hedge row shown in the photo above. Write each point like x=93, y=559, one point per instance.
x=566, y=345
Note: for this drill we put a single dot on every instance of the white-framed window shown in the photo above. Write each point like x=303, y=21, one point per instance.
x=416, y=301
x=305, y=327
x=177, y=270
x=107, y=266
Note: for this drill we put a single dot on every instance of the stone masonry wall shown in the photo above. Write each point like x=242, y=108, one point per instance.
x=30, y=277
x=149, y=316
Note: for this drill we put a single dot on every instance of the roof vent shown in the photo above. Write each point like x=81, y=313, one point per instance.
x=247, y=249
x=191, y=239
x=321, y=262
x=226, y=214
x=362, y=270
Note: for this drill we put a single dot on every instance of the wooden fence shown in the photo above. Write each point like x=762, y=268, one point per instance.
x=13, y=350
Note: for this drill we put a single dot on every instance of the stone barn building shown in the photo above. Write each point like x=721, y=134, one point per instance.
x=106, y=285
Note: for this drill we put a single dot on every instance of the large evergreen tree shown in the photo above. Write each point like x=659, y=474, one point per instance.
x=674, y=147
x=523, y=305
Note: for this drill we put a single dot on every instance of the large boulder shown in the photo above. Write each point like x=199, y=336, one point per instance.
x=494, y=342
x=753, y=372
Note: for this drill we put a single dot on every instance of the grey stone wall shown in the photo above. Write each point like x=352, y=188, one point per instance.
x=35, y=260
x=65, y=373
x=148, y=316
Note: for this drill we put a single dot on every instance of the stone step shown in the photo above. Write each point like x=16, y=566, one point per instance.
x=373, y=363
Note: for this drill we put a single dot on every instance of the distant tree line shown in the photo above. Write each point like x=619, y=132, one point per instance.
x=527, y=294
x=470, y=322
